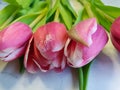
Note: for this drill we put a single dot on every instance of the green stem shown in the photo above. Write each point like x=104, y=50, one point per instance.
x=56, y=18
x=106, y=15
x=86, y=70
x=38, y=18
x=81, y=79
x=22, y=68
x=83, y=76
x=87, y=6
x=8, y=20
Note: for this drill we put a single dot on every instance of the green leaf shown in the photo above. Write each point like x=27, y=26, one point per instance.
x=6, y=12
x=110, y=10
x=24, y=3
x=98, y=2
x=42, y=22
x=85, y=15
x=66, y=16
x=86, y=70
x=102, y=20
x=12, y=2
x=67, y=4
x=38, y=6
x=26, y=18
x=83, y=76
x=52, y=9
x=21, y=63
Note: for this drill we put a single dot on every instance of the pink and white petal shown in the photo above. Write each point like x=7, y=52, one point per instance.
x=41, y=62
x=51, y=37
x=6, y=52
x=29, y=63
x=59, y=62
x=73, y=54
x=83, y=31
x=14, y=55
x=82, y=55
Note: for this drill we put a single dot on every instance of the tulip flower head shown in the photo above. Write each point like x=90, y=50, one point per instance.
x=115, y=33
x=48, y=47
x=77, y=53
x=13, y=41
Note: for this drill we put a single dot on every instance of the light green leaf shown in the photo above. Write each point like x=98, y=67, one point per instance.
x=42, y=22
x=24, y=3
x=102, y=20
x=6, y=12
x=98, y=2
x=66, y=16
x=26, y=18
x=67, y=4
x=12, y=2
x=52, y=9
x=110, y=10
x=38, y=7
x=85, y=15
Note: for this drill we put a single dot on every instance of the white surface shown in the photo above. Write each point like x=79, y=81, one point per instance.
x=104, y=74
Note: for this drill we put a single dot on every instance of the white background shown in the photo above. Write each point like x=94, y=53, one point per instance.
x=104, y=73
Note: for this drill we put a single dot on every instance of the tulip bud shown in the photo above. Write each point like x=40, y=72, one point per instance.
x=13, y=41
x=77, y=53
x=50, y=39
x=46, y=50
x=115, y=33
x=83, y=31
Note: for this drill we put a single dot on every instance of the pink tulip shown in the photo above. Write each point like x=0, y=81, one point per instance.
x=79, y=54
x=115, y=33
x=83, y=31
x=50, y=39
x=13, y=41
x=46, y=50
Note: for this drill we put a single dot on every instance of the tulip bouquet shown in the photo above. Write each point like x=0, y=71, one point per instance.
x=53, y=34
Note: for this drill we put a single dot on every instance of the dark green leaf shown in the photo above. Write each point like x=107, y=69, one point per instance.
x=81, y=78
x=21, y=63
x=86, y=70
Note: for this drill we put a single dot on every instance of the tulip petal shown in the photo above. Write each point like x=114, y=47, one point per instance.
x=115, y=41
x=41, y=62
x=14, y=55
x=59, y=63
x=15, y=36
x=115, y=28
x=79, y=55
x=115, y=33
x=83, y=31
x=50, y=38
x=29, y=64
